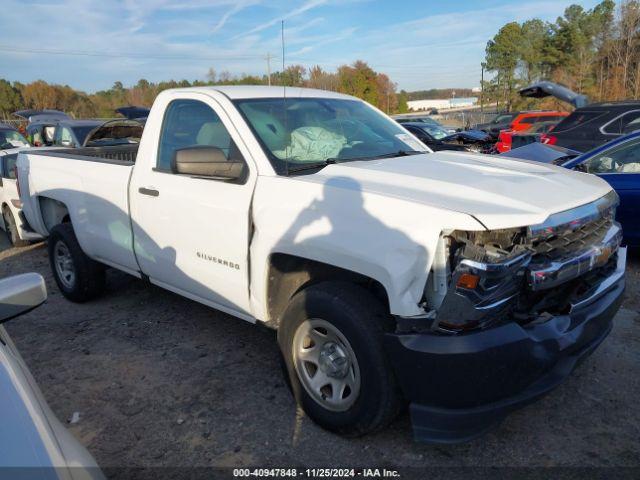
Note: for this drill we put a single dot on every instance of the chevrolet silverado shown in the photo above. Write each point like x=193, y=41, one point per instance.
x=462, y=284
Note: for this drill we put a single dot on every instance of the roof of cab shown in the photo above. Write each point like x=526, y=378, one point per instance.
x=235, y=92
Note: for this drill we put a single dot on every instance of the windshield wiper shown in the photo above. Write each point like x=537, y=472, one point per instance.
x=311, y=166
x=399, y=153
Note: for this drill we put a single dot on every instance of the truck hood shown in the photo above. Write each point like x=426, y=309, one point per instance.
x=499, y=192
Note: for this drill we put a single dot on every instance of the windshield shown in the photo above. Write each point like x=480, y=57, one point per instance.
x=320, y=130
x=435, y=131
x=503, y=118
x=12, y=139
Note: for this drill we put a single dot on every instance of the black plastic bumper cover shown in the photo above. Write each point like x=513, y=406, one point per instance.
x=461, y=386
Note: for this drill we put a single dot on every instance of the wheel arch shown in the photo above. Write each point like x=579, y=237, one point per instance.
x=288, y=274
x=52, y=212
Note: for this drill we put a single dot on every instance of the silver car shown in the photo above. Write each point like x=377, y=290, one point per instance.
x=33, y=442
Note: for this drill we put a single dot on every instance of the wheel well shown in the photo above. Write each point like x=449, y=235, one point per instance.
x=53, y=212
x=5, y=208
x=288, y=274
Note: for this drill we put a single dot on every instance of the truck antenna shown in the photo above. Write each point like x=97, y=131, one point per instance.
x=284, y=100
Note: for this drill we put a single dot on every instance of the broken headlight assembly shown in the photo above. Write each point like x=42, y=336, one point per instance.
x=476, y=278
x=481, y=278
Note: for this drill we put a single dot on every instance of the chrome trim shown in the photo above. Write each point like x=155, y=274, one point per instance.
x=574, y=218
x=495, y=267
x=607, y=283
x=554, y=273
x=613, y=120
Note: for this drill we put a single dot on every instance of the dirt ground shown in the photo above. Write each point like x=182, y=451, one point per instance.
x=160, y=381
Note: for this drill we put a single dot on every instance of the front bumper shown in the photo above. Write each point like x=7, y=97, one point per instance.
x=460, y=386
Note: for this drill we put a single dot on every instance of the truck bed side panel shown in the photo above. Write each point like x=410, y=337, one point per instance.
x=95, y=194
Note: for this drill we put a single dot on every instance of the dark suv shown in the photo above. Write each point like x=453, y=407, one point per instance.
x=594, y=125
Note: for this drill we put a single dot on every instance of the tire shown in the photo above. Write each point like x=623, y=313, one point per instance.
x=11, y=229
x=80, y=278
x=366, y=397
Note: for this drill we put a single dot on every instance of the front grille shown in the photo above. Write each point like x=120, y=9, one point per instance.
x=568, y=243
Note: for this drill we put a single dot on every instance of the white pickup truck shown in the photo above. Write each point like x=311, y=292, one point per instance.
x=463, y=284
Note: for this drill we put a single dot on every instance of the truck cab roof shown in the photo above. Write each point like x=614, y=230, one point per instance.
x=235, y=92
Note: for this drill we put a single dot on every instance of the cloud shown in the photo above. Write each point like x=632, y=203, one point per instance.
x=162, y=39
x=294, y=13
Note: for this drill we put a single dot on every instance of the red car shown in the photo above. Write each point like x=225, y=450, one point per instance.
x=526, y=121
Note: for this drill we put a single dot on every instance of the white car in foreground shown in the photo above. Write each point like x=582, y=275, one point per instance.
x=465, y=284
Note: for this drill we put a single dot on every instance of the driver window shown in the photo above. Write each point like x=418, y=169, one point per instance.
x=623, y=159
x=192, y=123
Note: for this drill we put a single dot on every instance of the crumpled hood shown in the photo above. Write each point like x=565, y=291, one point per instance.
x=499, y=192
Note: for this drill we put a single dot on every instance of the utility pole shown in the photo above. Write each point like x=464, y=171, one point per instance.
x=268, y=58
x=482, y=87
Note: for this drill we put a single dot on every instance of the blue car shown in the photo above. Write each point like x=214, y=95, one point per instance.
x=618, y=162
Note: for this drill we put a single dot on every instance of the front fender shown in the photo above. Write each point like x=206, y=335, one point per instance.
x=384, y=238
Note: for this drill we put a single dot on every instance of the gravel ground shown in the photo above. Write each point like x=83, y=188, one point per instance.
x=160, y=381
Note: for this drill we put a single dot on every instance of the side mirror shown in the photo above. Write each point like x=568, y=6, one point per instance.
x=20, y=294
x=207, y=161
x=581, y=167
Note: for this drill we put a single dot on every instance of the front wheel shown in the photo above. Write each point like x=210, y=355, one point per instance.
x=331, y=338
x=79, y=277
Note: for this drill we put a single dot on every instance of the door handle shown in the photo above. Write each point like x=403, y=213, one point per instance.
x=149, y=191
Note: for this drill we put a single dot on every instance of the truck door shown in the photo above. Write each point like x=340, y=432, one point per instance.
x=191, y=233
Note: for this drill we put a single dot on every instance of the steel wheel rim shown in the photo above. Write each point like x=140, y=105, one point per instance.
x=64, y=265
x=326, y=365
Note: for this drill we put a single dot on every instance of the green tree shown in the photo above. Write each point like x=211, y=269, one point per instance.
x=10, y=98
x=502, y=57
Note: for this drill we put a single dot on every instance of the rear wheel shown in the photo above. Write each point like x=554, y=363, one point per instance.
x=11, y=229
x=79, y=278
x=331, y=338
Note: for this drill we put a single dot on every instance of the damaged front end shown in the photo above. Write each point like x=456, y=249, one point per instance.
x=483, y=278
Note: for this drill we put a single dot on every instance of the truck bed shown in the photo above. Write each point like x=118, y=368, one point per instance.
x=118, y=154
x=90, y=185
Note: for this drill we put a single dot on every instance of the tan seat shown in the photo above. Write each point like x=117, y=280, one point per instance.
x=630, y=168
x=214, y=134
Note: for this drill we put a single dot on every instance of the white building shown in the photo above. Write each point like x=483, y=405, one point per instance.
x=441, y=104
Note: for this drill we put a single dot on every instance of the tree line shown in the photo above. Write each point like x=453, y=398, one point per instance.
x=357, y=79
x=592, y=51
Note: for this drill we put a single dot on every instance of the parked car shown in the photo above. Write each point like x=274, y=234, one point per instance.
x=13, y=221
x=422, y=119
x=532, y=135
x=72, y=133
x=115, y=132
x=594, y=125
x=590, y=124
x=134, y=113
x=11, y=138
x=41, y=125
x=34, y=442
x=617, y=162
x=437, y=138
x=525, y=122
x=499, y=123
x=468, y=285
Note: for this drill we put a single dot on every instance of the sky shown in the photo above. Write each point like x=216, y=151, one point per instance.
x=90, y=44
